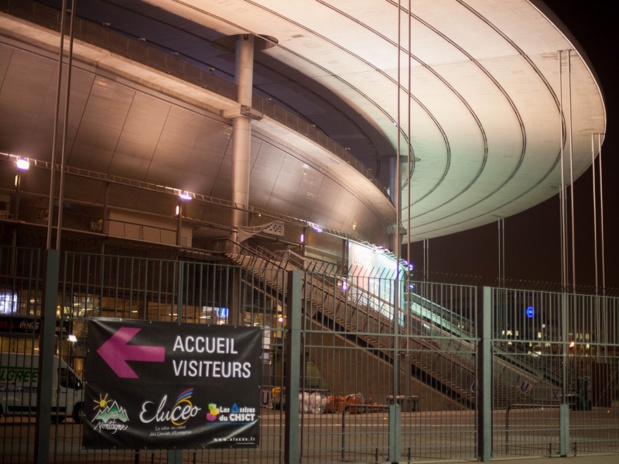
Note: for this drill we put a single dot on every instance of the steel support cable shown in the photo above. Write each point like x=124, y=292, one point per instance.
x=409, y=164
x=571, y=146
x=603, y=254
x=562, y=189
x=52, y=182
x=595, y=232
x=65, y=125
x=394, y=416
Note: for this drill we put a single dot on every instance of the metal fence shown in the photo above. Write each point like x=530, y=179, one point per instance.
x=373, y=384
x=567, y=348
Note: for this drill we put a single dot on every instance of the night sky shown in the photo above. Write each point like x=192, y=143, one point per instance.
x=532, y=238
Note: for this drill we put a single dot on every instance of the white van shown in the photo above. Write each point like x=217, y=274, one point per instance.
x=19, y=377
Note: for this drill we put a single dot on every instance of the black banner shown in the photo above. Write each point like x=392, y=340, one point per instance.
x=169, y=385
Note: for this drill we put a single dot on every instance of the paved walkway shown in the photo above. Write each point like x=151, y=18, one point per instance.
x=588, y=459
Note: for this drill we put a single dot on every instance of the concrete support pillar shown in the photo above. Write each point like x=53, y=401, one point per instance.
x=245, y=68
x=241, y=149
x=245, y=45
x=241, y=130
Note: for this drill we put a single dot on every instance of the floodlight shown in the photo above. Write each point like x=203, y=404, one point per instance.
x=22, y=164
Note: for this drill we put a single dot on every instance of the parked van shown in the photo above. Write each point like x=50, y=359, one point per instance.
x=19, y=377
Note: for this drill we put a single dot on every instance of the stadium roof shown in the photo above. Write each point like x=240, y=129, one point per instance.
x=477, y=88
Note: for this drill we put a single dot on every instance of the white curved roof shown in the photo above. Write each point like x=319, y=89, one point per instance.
x=477, y=88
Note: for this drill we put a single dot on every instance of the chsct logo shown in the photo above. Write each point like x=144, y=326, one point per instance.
x=231, y=415
x=182, y=410
x=213, y=412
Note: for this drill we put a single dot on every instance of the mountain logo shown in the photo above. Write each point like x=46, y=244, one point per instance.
x=110, y=416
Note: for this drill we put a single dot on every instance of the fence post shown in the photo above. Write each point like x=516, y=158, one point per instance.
x=175, y=456
x=292, y=363
x=564, y=416
x=483, y=381
x=395, y=410
x=395, y=430
x=46, y=358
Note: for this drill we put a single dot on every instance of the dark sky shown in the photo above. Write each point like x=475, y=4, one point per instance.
x=532, y=238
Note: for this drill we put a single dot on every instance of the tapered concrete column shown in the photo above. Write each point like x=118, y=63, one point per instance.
x=245, y=68
x=241, y=129
x=244, y=46
x=241, y=150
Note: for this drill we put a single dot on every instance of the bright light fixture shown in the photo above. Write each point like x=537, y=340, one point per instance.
x=72, y=338
x=185, y=196
x=22, y=164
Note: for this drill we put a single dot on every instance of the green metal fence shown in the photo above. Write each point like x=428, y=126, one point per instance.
x=566, y=348
x=370, y=384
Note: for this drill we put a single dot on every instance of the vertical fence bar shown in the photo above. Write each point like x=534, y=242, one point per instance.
x=46, y=358
x=175, y=456
x=565, y=407
x=395, y=410
x=293, y=367
x=484, y=377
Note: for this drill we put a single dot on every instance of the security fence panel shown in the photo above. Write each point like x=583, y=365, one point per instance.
x=194, y=293
x=388, y=368
x=20, y=313
x=527, y=384
x=554, y=350
x=362, y=357
x=591, y=374
x=440, y=351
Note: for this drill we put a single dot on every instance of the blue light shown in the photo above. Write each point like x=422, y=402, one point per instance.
x=222, y=312
x=530, y=312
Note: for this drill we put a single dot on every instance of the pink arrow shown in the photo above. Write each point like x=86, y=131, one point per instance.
x=115, y=352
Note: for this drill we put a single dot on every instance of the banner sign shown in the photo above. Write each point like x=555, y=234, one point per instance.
x=167, y=385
